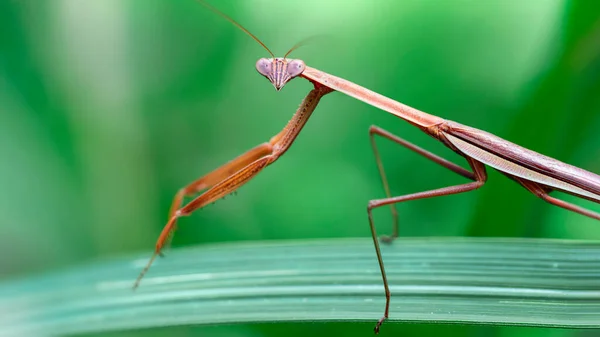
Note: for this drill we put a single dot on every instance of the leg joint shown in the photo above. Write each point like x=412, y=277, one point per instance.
x=376, y=130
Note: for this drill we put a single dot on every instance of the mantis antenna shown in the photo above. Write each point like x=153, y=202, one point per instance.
x=300, y=44
x=226, y=17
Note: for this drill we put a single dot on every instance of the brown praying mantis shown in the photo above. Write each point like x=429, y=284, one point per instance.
x=537, y=173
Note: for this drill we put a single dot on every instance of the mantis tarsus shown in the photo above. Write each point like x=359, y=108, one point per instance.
x=537, y=173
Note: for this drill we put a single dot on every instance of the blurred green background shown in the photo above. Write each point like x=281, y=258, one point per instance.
x=108, y=107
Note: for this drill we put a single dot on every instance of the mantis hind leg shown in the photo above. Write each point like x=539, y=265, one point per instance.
x=544, y=193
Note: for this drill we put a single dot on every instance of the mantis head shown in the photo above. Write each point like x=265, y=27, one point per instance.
x=279, y=70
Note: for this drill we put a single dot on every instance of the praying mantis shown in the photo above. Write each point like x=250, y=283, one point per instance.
x=537, y=173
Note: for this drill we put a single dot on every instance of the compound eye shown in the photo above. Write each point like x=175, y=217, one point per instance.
x=264, y=66
x=295, y=68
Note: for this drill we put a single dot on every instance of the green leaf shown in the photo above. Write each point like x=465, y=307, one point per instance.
x=524, y=282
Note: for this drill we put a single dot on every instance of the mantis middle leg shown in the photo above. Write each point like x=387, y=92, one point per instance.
x=478, y=175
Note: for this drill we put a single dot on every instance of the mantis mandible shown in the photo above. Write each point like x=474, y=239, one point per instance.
x=537, y=173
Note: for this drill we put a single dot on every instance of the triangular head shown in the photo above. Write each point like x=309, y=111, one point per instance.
x=278, y=70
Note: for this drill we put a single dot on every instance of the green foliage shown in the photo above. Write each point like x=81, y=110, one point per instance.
x=521, y=282
x=107, y=108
